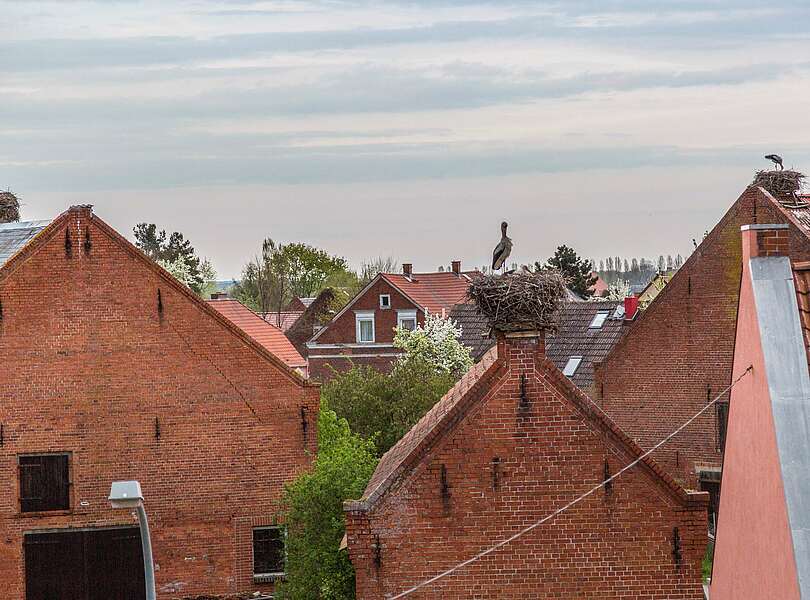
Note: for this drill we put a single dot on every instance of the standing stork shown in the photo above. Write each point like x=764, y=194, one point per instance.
x=776, y=160
x=502, y=250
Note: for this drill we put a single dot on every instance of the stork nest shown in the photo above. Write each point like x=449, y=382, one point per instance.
x=521, y=301
x=782, y=185
x=9, y=208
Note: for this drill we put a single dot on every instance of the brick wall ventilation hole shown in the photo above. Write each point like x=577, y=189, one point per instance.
x=68, y=244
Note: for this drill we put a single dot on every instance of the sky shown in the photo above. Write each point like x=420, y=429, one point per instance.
x=402, y=128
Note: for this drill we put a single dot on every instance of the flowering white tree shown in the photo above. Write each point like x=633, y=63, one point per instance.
x=618, y=290
x=437, y=342
x=179, y=268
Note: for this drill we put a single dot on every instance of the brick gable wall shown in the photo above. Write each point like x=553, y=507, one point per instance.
x=679, y=353
x=89, y=364
x=458, y=500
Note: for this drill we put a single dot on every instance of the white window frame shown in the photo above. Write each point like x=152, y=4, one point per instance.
x=572, y=365
x=385, y=306
x=364, y=315
x=599, y=319
x=406, y=315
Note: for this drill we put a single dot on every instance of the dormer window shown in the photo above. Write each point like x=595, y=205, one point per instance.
x=599, y=319
x=385, y=301
x=364, y=326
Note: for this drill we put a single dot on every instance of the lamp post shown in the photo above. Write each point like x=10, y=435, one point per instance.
x=127, y=494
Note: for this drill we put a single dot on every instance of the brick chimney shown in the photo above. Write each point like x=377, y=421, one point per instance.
x=456, y=266
x=765, y=240
x=520, y=348
x=630, y=308
x=407, y=269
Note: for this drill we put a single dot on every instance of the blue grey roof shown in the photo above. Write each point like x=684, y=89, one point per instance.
x=13, y=236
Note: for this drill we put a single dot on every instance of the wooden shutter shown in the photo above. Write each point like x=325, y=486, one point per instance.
x=44, y=482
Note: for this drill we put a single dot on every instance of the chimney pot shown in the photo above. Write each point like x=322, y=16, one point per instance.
x=630, y=308
x=456, y=264
x=407, y=269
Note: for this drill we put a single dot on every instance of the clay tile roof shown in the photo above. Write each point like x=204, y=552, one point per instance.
x=393, y=460
x=434, y=291
x=13, y=236
x=283, y=320
x=801, y=276
x=266, y=334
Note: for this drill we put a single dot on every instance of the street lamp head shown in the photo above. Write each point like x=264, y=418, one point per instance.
x=126, y=494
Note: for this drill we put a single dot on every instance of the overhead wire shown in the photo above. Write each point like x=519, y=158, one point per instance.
x=573, y=502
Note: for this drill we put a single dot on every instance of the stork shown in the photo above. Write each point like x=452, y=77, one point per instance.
x=502, y=250
x=776, y=160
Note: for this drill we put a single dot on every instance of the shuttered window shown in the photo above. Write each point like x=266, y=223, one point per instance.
x=268, y=552
x=44, y=482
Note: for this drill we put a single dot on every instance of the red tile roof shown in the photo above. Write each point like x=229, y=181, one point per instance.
x=434, y=291
x=801, y=276
x=266, y=334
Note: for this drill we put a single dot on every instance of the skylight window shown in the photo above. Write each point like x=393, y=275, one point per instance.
x=571, y=366
x=599, y=319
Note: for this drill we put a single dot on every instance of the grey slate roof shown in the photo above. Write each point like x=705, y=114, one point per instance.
x=574, y=337
x=13, y=236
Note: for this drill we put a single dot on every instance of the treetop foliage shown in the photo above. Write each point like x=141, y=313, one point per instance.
x=436, y=342
x=176, y=254
x=575, y=270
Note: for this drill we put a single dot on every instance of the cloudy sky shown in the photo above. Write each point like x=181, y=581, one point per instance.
x=407, y=128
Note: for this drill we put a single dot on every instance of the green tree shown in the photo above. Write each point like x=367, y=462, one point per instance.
x=438, y=343
x=170, y=250
x=313, y=505
x=283, y=271
x=384, y=406
x=576, y=270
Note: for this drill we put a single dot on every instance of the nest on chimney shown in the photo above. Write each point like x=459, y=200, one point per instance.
x=782, y=185
x=9, y=207
x=521, y=301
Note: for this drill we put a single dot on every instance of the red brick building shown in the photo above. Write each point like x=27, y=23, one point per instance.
x=678, y=354
x=362, y=332
x=113, y=370
x=511, y=443
x=763, y=536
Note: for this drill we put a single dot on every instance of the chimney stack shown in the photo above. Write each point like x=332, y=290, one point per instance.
x=407, y=269
x=765, y=240
x=456, y=265
x=630, y=308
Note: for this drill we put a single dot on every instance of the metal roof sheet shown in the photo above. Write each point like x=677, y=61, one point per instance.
x=14, y=236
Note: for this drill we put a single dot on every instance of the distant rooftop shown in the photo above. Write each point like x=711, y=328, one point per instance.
x=14, y=236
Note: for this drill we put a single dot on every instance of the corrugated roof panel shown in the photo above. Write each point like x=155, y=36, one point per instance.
x=14, y=236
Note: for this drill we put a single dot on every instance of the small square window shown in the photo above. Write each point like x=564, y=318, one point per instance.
x=44, y=482
x=599, y=319
x=365, y=327
x=406, y=319
x=268, y=553
x=385, y=301
x=571, y=366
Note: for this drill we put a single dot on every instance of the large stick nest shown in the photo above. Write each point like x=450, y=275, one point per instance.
x=520, y=301
x=9, y=208
x=782, y=185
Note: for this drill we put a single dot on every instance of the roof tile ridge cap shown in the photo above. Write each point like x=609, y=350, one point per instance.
x=200, y=303
x=585, y=403
x=415, y=453
x=16, y=260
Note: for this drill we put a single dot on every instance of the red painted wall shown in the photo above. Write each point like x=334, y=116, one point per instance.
x=89, y=364
x=753, y=558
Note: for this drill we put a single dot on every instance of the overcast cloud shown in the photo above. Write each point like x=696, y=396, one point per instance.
x=406, y=128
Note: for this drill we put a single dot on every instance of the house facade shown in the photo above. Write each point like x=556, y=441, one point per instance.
x=115, y=371
x=513, y=442
x=362, y=333
x=678, y=354
x=762, y=548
